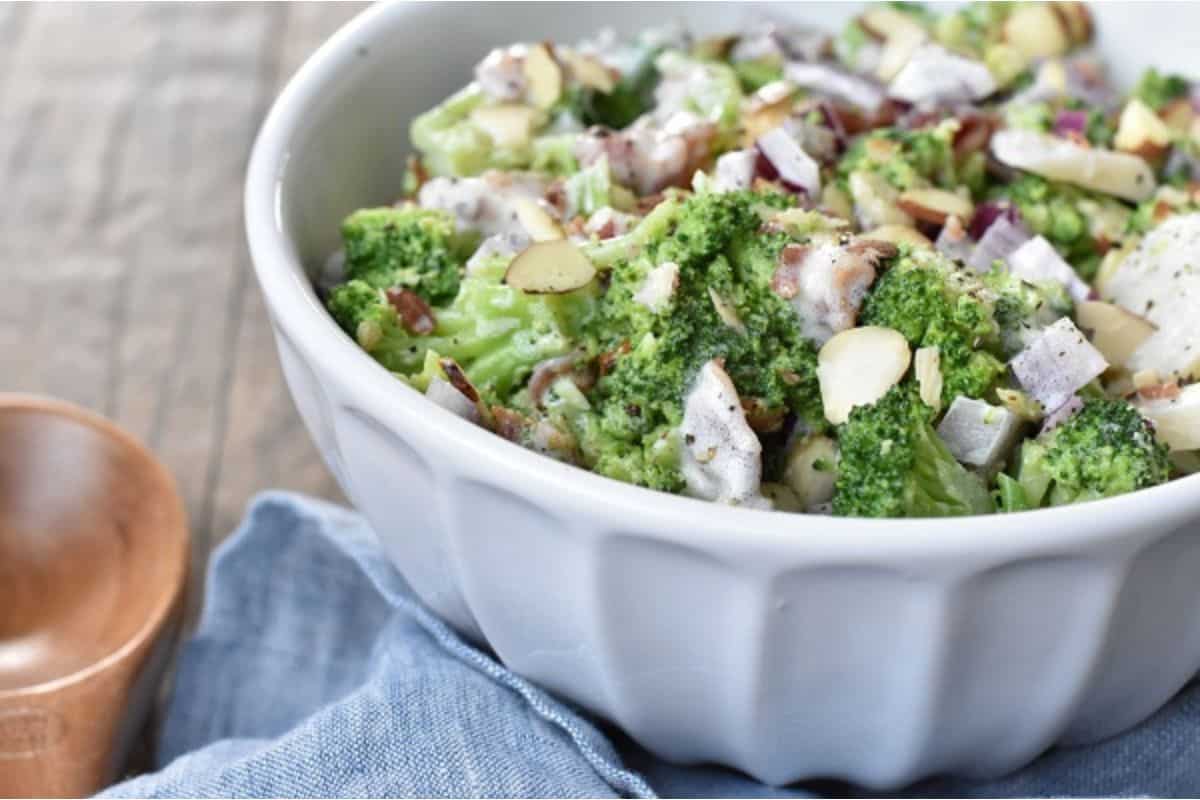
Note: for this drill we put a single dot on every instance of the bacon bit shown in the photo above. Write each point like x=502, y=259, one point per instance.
x=550, y=370
x=874, y=249
x=1160, y=391
x=606, y=360
x=761, y=417
x=1162, y=210
x=509, y=424
x=975, y=133
x=789, y=377
x=415, y=314
x=458, y=379
x=1103, y=245
x=416, y=168
x=1075, y=137
x=786, y=280
x=556, y=196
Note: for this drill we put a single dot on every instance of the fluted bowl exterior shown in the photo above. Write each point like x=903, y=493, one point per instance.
x=786, y=646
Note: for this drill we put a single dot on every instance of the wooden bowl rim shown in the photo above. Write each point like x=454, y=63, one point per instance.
x=176, y=526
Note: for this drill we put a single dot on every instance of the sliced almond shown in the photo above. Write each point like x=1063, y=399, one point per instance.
x=858, y=366
x=508, y=124
x=811, y=470
x=726, y=311
x=899, y=234
x=1176, y=420
x=927, y=365
x=1140, y=131
x=1121, y=174
x=1115, y=332
x=1145, y=378
x=588, y=71
x=935, y=205
x=552, y=267
x=898, y=49
x=885, y=22
x=1037, y=31
x=536, y=221
x=544, y=76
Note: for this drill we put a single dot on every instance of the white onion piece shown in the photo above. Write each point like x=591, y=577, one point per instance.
x=1120, y=174
x=1058, y=363
x=935, y=76
x=734, y=171
x=796, y=168
x=979, y=434
x=445, y=395
x=1000, y=239
x=1061, y=414
x=721, y=458
x=1037, y=261
x=830, y=81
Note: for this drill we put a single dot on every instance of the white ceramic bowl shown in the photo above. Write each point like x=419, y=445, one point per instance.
x=787, y=646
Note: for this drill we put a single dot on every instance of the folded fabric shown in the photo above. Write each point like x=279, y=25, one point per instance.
x=315, y=672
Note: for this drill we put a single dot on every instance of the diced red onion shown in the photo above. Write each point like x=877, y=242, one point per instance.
x=1061, y=414
x=1068, y=122
x=999, y=239
x=795, y=168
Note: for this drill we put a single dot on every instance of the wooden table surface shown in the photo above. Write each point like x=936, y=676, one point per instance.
x=125, y=284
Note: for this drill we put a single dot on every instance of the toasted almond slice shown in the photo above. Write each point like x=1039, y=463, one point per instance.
x=1121, y=174
x=540, y=226
x=811, y=470
x=553, y=267
x=927, y=364
x=1140, y=131
x=1115, y=332
x=898, y=49
x=508, y=124
x=1077, y=19
x=544, y=76
x=726, y=311
x=886, y=22
x=589, y=71
x=935, y=205
x=1037, y=31
x=1145, y=378
x=858, y=366
x=899, y=234
x=1176, y=420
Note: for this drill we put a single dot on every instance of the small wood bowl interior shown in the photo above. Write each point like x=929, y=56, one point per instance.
x=93, y=561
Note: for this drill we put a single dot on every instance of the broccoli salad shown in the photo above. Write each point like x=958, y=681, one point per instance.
x=927, y=265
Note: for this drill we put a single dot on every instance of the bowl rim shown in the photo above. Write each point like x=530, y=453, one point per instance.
x=167, y=605
x=294, y=308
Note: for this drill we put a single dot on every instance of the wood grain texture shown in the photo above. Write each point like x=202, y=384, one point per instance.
x=125, y=284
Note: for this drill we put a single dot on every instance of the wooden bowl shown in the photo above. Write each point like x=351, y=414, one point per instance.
x=93, y=563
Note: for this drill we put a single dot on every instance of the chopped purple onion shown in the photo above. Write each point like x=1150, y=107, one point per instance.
x=1000, y=239
x=1069, y=122
x=987, y=213
x=796, y=169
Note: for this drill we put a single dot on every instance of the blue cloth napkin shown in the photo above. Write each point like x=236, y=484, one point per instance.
x=315, y=672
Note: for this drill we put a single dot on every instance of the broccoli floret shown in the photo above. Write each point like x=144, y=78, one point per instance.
x=495, y=332
x=757, y=73
x=1156, y=89
x=911, y=159
x=654, y=355
x=1080, y=224
x=630, y=98
x=1107, y=448
x=1022, y=309
x=405, y=247
x=892, y=463
x=935, y=303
